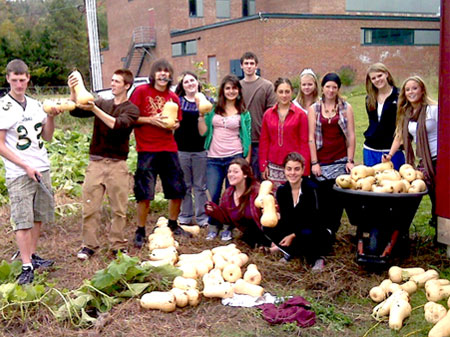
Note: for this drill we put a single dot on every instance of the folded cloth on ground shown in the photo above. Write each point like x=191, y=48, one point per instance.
x=295, y=309
x=239, y=300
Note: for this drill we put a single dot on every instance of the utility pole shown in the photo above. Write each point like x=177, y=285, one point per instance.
x=94, y=48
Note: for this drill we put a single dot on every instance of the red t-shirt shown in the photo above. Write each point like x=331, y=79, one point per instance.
x=150, y=138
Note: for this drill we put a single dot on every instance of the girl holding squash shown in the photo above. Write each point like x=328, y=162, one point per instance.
x=284, y=129
x=417, y=120
x=237, y=205
x=299, y=229
x=332, y=146
x=381, y=107
x=309, y=90
x=191, y=151
x=227, y=129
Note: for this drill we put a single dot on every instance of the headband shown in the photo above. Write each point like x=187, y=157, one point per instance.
x=331, y=77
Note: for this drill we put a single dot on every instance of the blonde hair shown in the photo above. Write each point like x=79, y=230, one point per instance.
x=372, y=91
x=301, y=96
x=404, y=104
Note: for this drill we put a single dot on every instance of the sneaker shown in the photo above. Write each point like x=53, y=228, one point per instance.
x=123, y=250
x=211, y=236
x=139, y=239
x=318, y=265
x=180, y=231
x=226, y=235
x=38, y=261
x=85, y=253
x=26, y=276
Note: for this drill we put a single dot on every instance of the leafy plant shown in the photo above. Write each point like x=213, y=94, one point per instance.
x=347, y=74
x=122, y=279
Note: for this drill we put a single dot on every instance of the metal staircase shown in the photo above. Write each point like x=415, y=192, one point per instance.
x=142, y=41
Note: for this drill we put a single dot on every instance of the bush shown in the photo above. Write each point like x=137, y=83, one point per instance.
x=347, y=75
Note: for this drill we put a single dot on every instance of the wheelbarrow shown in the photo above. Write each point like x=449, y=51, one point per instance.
x=382, y=222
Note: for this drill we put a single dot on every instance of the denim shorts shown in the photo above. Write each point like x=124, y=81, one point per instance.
x=164, y=164
x=29, y=202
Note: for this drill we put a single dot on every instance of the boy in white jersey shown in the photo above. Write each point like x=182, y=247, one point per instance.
x=23, y=125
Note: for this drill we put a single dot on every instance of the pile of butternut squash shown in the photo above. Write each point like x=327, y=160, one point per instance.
x=220, y=270
x=383, y=178
x=393, y=297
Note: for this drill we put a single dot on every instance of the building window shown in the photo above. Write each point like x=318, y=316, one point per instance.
x=196, y=8
x=248, y=7
x=223, y=8
x=399, y=37
x=394, y=6
x=184, y=48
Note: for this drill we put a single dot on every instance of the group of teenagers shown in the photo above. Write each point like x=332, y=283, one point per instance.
x=255, y=131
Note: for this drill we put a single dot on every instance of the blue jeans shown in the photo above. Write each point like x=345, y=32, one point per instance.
x=216, y=173
x=193, y=165
x=255, y=161
x=374, y=157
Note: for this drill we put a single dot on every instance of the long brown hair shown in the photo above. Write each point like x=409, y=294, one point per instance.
x=221, y=102
x=404, y=104
x=250, y=181
x=180, y=89
x=372, y=91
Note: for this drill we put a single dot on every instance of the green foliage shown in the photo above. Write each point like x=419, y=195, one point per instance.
x=328, y=314
x=347, y=74
x=122, y=279
x=208, y=88
x=50, y=36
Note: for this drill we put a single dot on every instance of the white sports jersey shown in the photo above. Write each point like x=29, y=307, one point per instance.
x=23, y=134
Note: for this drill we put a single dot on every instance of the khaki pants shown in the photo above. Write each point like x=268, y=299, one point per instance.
x=108, y=176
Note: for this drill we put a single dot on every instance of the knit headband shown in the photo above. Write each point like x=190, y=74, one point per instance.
x=331, y=77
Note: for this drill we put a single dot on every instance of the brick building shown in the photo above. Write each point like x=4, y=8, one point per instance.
x=287, y=35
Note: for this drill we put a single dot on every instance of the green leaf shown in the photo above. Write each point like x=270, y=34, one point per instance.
x=86, y=320
x=102, y=279
x=6, y=290
x=135, y=290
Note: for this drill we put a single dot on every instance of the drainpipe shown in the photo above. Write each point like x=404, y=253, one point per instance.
x=443, y=163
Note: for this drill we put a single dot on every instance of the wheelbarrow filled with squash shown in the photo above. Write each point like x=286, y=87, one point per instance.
x=382, y=211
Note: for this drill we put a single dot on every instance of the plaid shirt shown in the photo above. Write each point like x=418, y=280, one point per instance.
x=342, y=110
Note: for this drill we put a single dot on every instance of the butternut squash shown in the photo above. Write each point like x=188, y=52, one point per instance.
x=384, y=307
x=388, y=175
x=434, y=312
x=203, y=104
x=442, y=327
x=409, y=286
x=383, y=166
x=246, y=288
x=223, y=290
x=214, y=277
x=164, y=301
x=400, y=309
x=379, y=293
x=82, y=95
x=181, y=297
x=420, y=279
x=269, y=217
x=417, y=186
x=359, y=172
x=189, y=270
x=398, y=274
x=231, y=272
x=252, y=274
x=436, y=291
x=407, y=172
x=194, y=229
x=170, y=110
x=163, y=253
x=264, y=189
x=184, y=283
x=419, y=175
x=344, y=181
x=365, y=184
x=193, y=297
